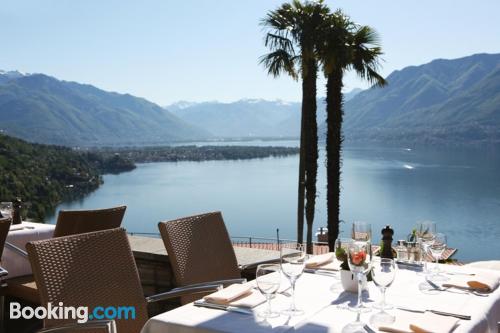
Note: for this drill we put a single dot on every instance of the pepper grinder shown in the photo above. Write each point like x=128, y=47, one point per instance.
x=16, y=211
x=387, y=234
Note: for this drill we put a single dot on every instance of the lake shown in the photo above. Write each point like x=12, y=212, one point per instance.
x=458, y=189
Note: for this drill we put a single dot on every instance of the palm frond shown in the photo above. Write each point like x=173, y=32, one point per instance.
x=280, y=61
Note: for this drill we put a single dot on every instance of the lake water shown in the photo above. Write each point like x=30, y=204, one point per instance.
x=460, y=190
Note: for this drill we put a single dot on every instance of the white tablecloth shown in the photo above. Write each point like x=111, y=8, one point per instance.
x=20, y=235
x=322, y=313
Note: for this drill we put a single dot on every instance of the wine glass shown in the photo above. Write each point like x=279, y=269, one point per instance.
x=426, y=232
x=437, y=248
x=6, y=209
x=359, y=258
x=293, y=259
x=361, y=231
x=383, y=273
x=268, y=279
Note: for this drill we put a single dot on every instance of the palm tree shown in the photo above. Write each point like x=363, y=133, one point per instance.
x=346, y=46
x=292, y=34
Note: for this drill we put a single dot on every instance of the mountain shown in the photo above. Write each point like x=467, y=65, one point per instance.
x=448, y=102
x=242, y=119
x=248, y=117
x=351, y=94
x=40, y=108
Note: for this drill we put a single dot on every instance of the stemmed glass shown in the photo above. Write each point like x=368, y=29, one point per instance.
x=362, y=231
x=359, y=258
x=268, y=278
x=426, y=232
x=293, y=259
x=437, y=248
x=383, y=273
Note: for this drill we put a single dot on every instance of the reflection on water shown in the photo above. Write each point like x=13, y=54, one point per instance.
x=460, y=190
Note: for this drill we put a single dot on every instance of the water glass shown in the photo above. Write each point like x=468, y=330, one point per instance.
x=361, y=231
x=437, y=248
x=293, y=259
x=426, y=232
x=6, y=209
x=383, y=273
x=268, y=279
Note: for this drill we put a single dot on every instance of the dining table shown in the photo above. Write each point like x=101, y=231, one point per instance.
x=19, y=235
x=326, y=306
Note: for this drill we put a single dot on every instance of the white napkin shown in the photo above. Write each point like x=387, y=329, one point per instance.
x=410, y=322
x=250, y=300
x=484, y=281
x=320, y=260
x=229, y=294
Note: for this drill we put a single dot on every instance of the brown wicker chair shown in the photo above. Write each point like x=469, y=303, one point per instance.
x=94, y=269
x=200, y=250
x=72, y=222
x=4, y=230
x=69, y=222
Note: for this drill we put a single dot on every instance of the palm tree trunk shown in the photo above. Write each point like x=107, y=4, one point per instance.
x=302, y=181
x=311, y=153
x=334, y=118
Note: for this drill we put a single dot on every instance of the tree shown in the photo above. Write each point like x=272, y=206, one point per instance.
x=292, y=34
x=345, y=46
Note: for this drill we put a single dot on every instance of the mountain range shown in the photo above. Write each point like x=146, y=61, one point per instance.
x=444, y=102
x=451, y=102
x=248, y=118
x=40, y=108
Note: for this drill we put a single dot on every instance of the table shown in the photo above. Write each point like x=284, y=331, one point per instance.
x=20, y=235
x=322, y=312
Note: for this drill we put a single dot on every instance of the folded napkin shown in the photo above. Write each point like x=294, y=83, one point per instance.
x=411, y=322
x=229, y=294
x=320, y=260
x=483, y=281
x=240, y=295
x=250, y=300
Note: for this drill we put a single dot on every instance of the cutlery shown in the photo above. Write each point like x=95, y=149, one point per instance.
x=460, y=273
x=320, y=272
x=441, y=313
x=465, y=290
x=223, y=307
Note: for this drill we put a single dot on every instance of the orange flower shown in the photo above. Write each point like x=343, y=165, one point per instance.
x=358, y=258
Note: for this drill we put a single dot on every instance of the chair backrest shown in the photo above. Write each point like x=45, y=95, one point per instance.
x=92, y=269
x=199, y=249
x=72, y=222
x=4, y=230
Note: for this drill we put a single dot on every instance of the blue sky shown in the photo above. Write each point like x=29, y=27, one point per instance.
x=202, y=50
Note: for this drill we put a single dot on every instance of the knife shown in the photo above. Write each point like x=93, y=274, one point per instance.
x=433, y=285
x=441, y=313
x=223, y=307
x=320, y=272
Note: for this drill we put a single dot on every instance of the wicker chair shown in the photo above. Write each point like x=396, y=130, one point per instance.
x=4, y=230
x=72, y=222
x=69, y=222
x=200, y=251
x=94, y=269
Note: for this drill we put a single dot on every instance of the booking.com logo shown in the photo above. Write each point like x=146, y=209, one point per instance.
x=81, y=314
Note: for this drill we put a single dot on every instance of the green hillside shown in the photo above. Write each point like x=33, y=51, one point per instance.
x=42, y=175
x=42, y=109
x=444, y=102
